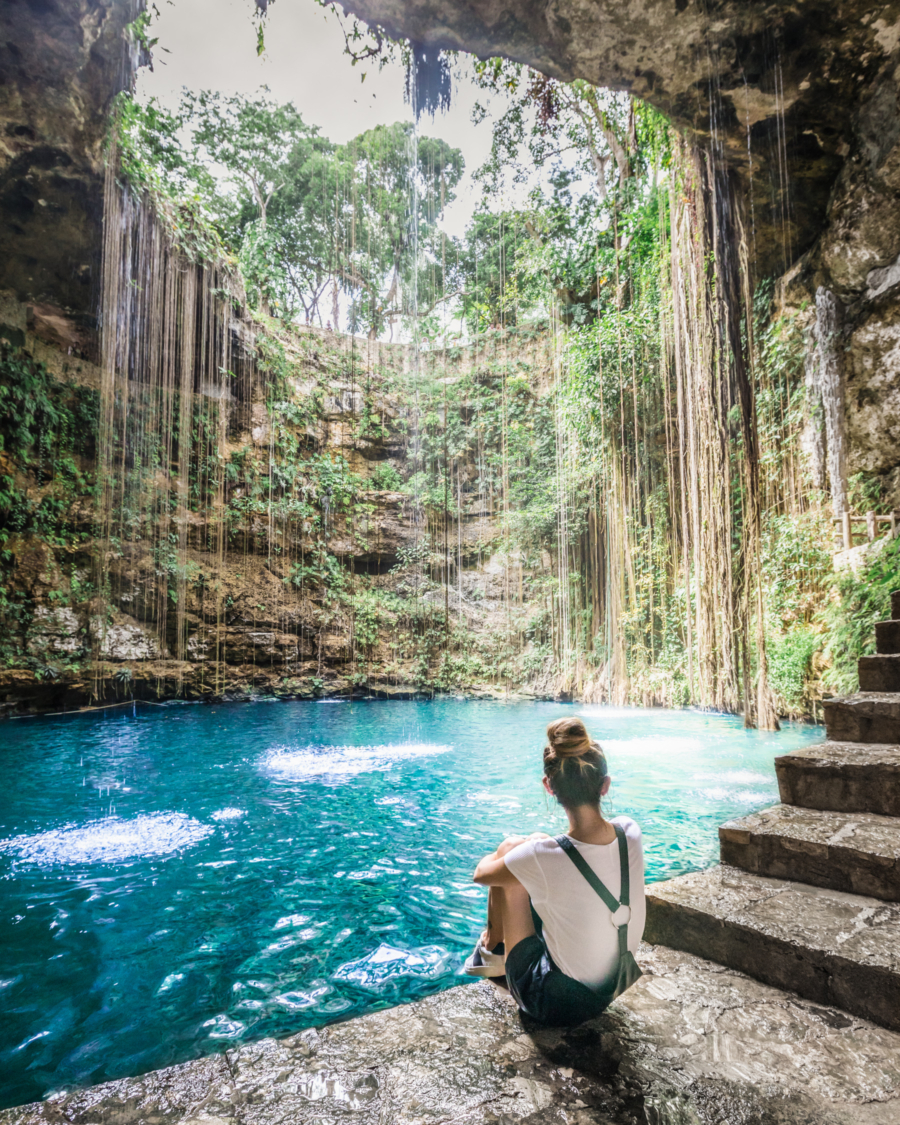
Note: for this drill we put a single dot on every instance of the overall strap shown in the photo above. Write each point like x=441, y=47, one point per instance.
x=584, y=867
x=625, y=888
x=628, y=970
x=624, y=873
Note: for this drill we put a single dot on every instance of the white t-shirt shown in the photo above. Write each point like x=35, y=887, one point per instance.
x=578, y=929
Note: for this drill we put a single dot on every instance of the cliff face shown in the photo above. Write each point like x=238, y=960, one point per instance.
x=61, y=64
x=291, y=554
x=778, y=86
x=857, y=257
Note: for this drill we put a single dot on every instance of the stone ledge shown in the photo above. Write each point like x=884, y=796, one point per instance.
x=880, y=673
x=844, y=776
x=854, y=852
x=887, y=637
x=690, y=1044
x=829, y=946
x=864, y=717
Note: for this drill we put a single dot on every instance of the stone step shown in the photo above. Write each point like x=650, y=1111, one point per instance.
x=843, y=776
x=880, y=673
x=829, y=946
x=855, y=852
x=887, y=636
x=867, y=716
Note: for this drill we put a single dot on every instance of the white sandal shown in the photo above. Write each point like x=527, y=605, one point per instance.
x=482, y=962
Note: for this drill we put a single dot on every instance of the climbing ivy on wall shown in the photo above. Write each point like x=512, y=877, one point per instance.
x=47, y=485
x=47, y=440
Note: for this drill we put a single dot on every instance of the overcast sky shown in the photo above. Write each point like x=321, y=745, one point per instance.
x=211, y=44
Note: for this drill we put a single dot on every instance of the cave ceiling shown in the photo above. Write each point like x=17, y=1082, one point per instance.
x=773, y=88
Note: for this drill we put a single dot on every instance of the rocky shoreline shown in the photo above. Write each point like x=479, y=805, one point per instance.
x=691, y=1043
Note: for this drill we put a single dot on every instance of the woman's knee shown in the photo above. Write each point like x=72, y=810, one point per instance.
x=508, y=844
x=513, y=842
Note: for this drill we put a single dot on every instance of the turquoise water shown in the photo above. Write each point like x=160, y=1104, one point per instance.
x=176, y=879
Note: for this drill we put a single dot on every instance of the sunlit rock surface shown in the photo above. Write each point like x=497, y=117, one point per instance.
x=854, y=852
x=831, y=946
x=867, y=716
x=851, y=776
x=690, y=1043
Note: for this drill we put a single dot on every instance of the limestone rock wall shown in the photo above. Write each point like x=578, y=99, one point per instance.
x=857, y=258
x=61, y=64
x=777, y=86
x=328, y=599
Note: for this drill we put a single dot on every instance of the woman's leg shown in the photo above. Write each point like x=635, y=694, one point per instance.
x=515, y=906
x=509, y=908
x=493, y=933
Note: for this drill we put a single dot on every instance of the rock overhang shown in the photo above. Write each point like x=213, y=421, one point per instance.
x=777, y=86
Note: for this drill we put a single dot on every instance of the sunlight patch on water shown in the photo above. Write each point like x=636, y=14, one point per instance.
x=111, y=840
x=170, y=982
x=750, y=797
x=325, y=762
x=735, y=777
x=298, y=1000
x=387, y=965
x=228, y=814
x=221, y=1027
x=601, y=711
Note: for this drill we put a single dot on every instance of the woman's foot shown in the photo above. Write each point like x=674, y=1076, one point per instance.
x=484, y=962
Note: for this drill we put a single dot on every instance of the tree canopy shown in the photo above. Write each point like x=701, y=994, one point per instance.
x=320, y=229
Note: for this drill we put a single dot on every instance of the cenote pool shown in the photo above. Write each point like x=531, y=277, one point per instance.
x=178, y=878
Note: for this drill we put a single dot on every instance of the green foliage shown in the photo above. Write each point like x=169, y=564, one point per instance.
x=796, y=567
x=496, y=269
x=384, y=477
x=45, y=429
x=372, y=239
x=306, y=219
x=789, y=659
x=138, y=31
x=154, y=160
x=866, y=493
x=320, y=569
x=253, y=139
x=850, y=614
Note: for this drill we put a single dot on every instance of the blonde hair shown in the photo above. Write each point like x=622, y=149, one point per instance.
x=574, y=763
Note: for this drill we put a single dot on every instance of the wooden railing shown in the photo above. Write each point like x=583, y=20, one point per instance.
x=871, y=520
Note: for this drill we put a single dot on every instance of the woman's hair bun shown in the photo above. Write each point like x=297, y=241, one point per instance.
x=574, y=764
x=568, y=738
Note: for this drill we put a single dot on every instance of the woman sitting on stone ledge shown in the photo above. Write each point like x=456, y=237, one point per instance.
x=566, y=914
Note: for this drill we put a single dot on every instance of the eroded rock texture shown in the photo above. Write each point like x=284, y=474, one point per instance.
x=689, y=1044
x=779, y=84
x=61, y=64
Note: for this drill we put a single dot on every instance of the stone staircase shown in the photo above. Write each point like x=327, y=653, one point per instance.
x=807, y=897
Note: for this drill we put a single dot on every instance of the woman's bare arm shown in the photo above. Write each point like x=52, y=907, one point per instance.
x=492, y=870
